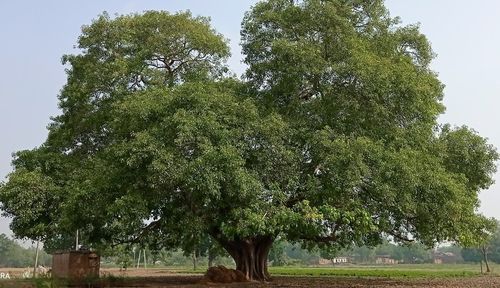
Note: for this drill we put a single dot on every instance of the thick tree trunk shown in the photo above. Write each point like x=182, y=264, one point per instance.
x=250, y=256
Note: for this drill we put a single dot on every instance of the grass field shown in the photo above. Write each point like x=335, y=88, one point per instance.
x=395, y=271
x=387, y=271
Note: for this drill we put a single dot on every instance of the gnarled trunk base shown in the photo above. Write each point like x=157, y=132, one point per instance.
x=250, y=256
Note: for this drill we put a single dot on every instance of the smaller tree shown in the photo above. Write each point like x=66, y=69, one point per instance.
x=479, y=238
x=123, y=257
x=329, y=254
x=277, y=255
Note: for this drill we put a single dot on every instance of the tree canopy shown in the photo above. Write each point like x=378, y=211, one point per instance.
x=330, y=139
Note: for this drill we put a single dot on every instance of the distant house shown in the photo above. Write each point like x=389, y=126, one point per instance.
x=335, y=261
x=444, y=258
x=385, y=260
x=341, y=260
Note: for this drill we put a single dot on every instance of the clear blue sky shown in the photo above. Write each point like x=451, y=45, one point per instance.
x=35, y=34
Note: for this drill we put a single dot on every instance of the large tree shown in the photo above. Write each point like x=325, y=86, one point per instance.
x=331, y=139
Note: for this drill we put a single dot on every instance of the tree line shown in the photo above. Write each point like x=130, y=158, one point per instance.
x=13, y=255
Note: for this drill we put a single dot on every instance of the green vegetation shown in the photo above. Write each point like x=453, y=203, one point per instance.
x=130, y=258
x=485, y=248
x=330, y=140
x=287, y=254
x=390, y=272
x=14, y=255
x=387, y=271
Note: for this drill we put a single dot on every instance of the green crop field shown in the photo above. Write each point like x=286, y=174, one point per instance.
x=392, y=271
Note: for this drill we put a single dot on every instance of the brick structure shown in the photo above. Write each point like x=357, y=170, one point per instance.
x=75, y=264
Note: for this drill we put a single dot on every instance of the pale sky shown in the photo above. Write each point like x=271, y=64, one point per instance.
x=35, y=34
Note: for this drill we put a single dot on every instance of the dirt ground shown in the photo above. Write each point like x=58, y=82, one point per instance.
x=164, y=278
x=168, y=278
x=327, y=282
